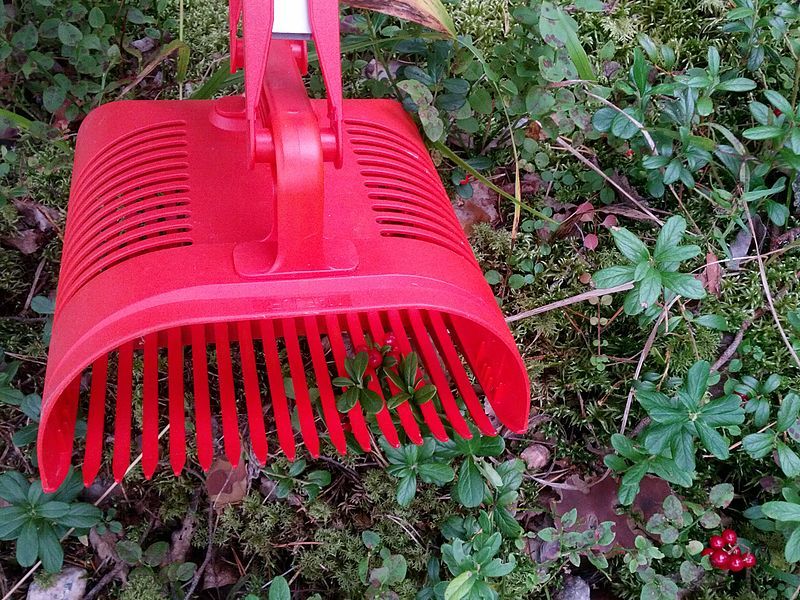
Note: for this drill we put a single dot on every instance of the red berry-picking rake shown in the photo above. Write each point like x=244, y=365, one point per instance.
x=214, y=248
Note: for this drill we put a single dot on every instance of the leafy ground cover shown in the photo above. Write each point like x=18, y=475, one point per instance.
x=627, y=173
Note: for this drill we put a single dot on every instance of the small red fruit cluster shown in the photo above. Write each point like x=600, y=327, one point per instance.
x=376, y=353
x=725, y=555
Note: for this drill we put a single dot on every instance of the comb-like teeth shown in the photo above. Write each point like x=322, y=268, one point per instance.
x=302, y=400
x=122, y=428
x=177, y=422
x=150, y=406
x=227, y=395
x=280, y=407
x=202, y=402
x=448, y=351
x=383, y=417
x=255, y=412
x=329, y=410
x=427, y=408
x=404, y=410
x=434, y=369
x=95, y=422
x=356, y=417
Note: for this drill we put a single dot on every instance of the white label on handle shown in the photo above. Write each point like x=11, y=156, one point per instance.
x=291, y=18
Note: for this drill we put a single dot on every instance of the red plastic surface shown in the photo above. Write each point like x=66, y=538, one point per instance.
x=182, y=258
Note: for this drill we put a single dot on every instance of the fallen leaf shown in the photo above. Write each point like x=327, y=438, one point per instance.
x=711, y=277
x=590, y=241
x=27, y=241
x=37, y=215
x=219, y=574
x=430, y=13
x=226, y=484
x=536, y=457
x=599, y=504
x=181, y=540
x=481, y=208
x=104, y=545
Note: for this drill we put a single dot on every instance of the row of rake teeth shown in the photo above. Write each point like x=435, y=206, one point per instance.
x=431, y=337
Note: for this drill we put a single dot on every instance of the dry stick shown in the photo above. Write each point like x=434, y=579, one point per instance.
x=562, y=143
x=765, y=284
x=111, y=488
x=36, y=276
x=567, y=301
x=645, y=353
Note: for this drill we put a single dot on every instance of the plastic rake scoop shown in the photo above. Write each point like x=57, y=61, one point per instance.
x=218, y=250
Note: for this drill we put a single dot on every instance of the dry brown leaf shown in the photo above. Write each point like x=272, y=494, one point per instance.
x=430, y=13
x=712, y=275
x=481, y=208
x=536, y=457
x=226, y=484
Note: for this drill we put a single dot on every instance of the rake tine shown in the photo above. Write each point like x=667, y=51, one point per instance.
x=255, y=410
x=428, y=409
x=308, y=429
x=382, y=416
x=404, y=410
x=329, y=410
x=280, y=407
x=177, y=431
x=356, y=416
x=227, y=395
x=202, y=402
x=434, y=368
x=95, y=421
x=448, y=350
x=122, y=427
x=150, y=406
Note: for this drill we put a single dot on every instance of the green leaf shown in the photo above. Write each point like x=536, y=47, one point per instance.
x=792, y=549
x=480, y=100
x=613, y=276
x=723, y=412
x=781, y=511
x=26, y=37
x=683, y=284
x=559, y=30
x=758, y=445
x=28, y=544
x=670, y=235
x=406, y=490
x=436, y=473
x=787, y=412
x=69, y=34
x=279, y=589
x=96, y=17
x=52, y=99
x=763, y=132
x=622, y=126
x=347, y=401
x=713, y=441
x=788, y=460
x=697, y=379
x=716, y=322
x=12, y=518
x=629, y=485
x=673, y=172
x=50, y=551
x=737, y=84
x=721, y=495
x=640, y=71
x=129, y=551
x=470, y=486
x=371, y=402
x=14, y=487
x=631, y=246
x=649, y=288
x=683, y=451
x=603, y=119
x=660, y=408
x=53, y=510
x=779, y=102
x=460, y=587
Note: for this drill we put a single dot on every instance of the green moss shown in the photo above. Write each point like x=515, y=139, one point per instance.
x=485, y=20
x=142, y=585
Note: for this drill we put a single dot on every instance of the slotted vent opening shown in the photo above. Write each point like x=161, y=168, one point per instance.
x=265, y=386
x=131, y=200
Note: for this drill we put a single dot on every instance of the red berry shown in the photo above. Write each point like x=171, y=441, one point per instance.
x=730, y=537
x=716, y=542
x=720, y=559
x=736, y=563
x=749, y=560
x=360, y=349
x=390, y=340
x=707, y=551
x=735, y=551
x=375, y=359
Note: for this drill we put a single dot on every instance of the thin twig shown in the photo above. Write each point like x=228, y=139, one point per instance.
x=645, y=353
x=567, y=301
x=765, y=284
x=562, y=143
x=36, y=276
